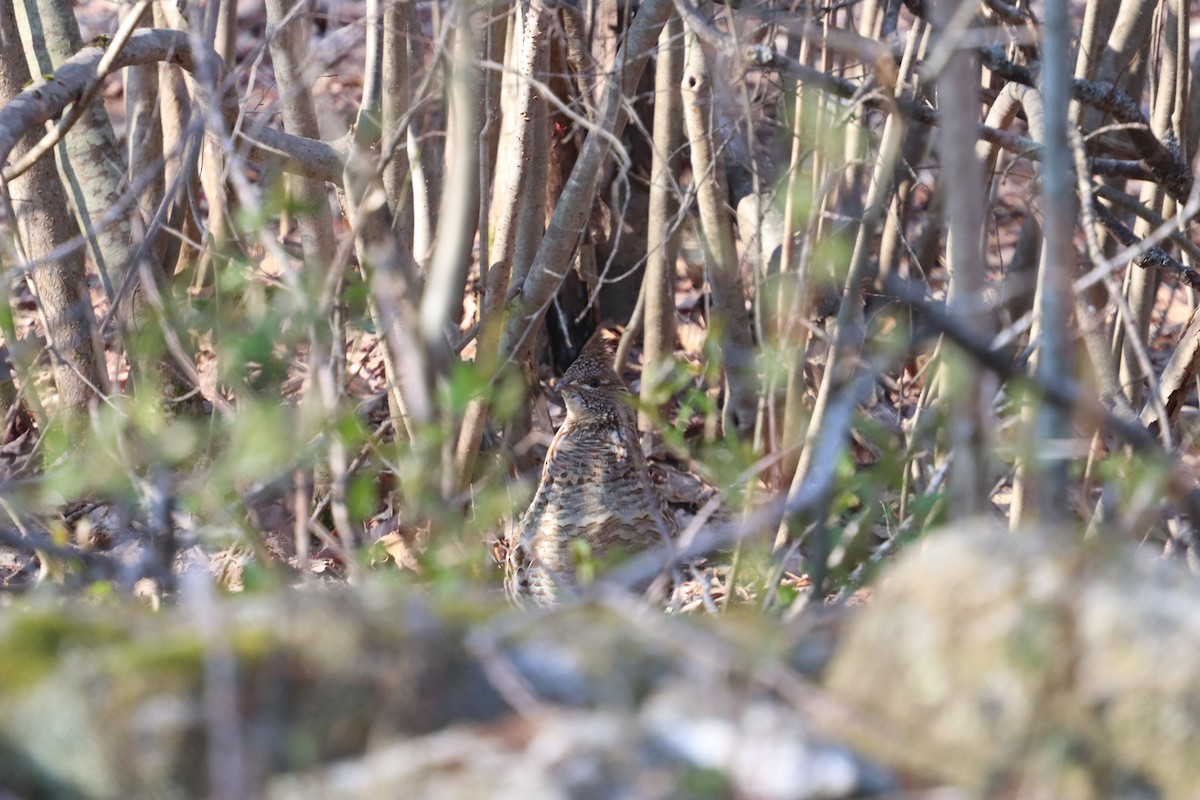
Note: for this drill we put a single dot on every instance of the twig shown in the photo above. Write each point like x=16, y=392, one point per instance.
x=765, y=57
x=45, y=99
x=1174, y=227
x=103, y=69
x=808, y=500
x=36, y=543
x=1149, y=256
x=1170, y=170
x=1057, y=390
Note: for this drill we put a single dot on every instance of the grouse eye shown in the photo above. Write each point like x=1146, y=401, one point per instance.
x=593, y=383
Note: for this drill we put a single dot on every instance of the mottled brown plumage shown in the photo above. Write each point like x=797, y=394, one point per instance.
x=595, y=486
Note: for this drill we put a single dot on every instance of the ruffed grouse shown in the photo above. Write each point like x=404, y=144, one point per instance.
x=595, y=486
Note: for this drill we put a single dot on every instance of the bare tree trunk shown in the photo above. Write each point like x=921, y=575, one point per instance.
x=1141, y=285
x=144, y=134
x=424, y=155
x=574, y=209
x=294, y=75
x=175, y=115
x=794, y=276
x=8, y=388
x=1112, y=49
x=1099, y=20
x=94, y=171
x=495, y=33
x=844, y=358
x=961, y=377
x=1043, y=475
x=391, y=272
x=1123, y=36
x=397, y=106
x=386, y=261
x=662, y=225
x=92, y=166
x=523, y=202
x=396, y=109
x=724, y=273
x=458, y=218
x=217, y=229
x=531, y=225
x=509, y=86
x=59, y=285
x=173, y=96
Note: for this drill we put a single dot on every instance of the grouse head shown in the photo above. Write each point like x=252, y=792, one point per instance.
x=591, y=389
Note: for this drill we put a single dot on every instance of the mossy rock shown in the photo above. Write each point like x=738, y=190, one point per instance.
x=993, y=659
x=120, y=701
x=114, y=700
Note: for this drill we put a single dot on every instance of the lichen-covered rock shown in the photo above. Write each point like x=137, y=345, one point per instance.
x=117, y=701
x=990, y=658
x=686, y=742
x=372, y=692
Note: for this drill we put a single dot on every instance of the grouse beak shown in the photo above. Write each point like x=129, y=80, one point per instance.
x=563, y=384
